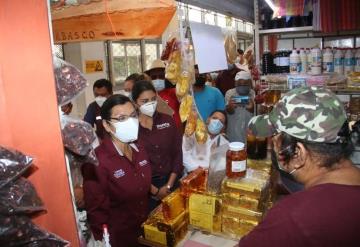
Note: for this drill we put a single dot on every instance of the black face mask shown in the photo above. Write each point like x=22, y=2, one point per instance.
x=243, y=90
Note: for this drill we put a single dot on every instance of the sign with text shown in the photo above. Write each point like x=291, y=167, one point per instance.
x=93, y=66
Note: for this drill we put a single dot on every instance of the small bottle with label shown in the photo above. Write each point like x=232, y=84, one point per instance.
x=236, y=160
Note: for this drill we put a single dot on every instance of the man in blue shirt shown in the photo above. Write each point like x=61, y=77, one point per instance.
x=207, y=98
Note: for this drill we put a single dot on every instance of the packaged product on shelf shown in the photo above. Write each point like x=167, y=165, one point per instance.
x=173, y=205
x=295, y=62
x=207, y=222
x=207, y=204
x=339, y=61
x=236, y=227
x=348, y=62
x=316, y=64
x=194, y=182
x=12, y=165
x=201, y=132
x=309, y=59
x=304, y=61
x=185, y=107
x=78, y=136
x=19, y=197
x=69, y=81
x=328, y=61
x=295, y=81
x=357, y=60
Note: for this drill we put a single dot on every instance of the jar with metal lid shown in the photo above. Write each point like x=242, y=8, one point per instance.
x=236, y=160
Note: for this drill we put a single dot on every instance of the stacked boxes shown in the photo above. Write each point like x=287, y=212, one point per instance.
x=244, y=201
x=168, y=223
x=205, y=212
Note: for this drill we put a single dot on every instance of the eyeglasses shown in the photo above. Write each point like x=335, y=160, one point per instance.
x=123, y=118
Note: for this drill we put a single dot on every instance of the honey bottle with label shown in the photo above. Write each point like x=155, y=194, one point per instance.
x=236, y=160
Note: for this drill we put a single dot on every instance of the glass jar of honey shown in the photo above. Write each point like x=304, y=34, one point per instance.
x=236, y=160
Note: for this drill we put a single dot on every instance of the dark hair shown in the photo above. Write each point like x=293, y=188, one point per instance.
x=328, y=153
x=168, y=84
x=241, y=52
x=140, y=87
x=116, y=99
x=200, y=80
x=222, y=112
x=103, y=83
x=133, y=77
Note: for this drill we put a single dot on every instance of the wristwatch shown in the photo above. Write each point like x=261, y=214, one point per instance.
x=168, y=187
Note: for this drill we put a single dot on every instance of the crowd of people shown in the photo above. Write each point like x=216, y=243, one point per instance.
x=143, y=154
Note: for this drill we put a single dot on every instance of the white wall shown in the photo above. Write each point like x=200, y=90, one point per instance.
x=77, y=54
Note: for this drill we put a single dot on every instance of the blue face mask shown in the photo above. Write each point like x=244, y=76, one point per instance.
x=215, y=126
x=159, y=84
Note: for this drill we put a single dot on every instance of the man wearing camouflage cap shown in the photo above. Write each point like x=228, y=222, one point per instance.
x=310, y=142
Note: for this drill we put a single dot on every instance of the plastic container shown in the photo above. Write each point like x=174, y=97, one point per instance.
x=236, y=160
x=357, y=59
x=309, y=59
x=338, y=62
x=295, y=62
x=303, y=60
x=348, y=61
x=284, y=62
x=276, y=61
x=328, y=61
x=316, y=61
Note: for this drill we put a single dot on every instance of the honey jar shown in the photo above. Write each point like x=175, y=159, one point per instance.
x=236, y=160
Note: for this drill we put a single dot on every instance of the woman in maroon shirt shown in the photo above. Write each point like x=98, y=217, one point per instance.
x=118, y=193
x=161, y=138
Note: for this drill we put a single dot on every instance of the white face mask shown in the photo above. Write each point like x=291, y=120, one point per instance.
x=149, y=108
x=159, y=84
x=100, y=100
x=127, y=131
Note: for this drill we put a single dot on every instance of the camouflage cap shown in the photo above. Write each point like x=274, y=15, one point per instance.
x=308, y=113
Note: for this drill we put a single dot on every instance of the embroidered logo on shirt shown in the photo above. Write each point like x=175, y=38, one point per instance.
x=143, y=163
x=162, y=126
x=119, y=173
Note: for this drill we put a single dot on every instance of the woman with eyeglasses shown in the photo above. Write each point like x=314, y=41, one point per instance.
x=162, y=140
x=117, y=193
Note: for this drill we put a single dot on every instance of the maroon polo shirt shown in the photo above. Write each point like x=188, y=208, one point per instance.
x=323, y=215
x=117, y=192
x=163, y=145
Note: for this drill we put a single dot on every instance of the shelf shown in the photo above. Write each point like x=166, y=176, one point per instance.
x=286, y=30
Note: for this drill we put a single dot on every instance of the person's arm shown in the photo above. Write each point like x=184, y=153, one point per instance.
x=230, y=104
x=97, y=203
x=90, y=115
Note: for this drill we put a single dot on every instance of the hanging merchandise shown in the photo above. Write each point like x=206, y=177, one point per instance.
x=70, y=82
x=295, y=62
x=348, y=62
x=183, y=85
x=201, y=132
x=357, y=59
x=328, y=61
x=339, y=61
x=316, y=61
x=191, y=124
x=303, y=60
